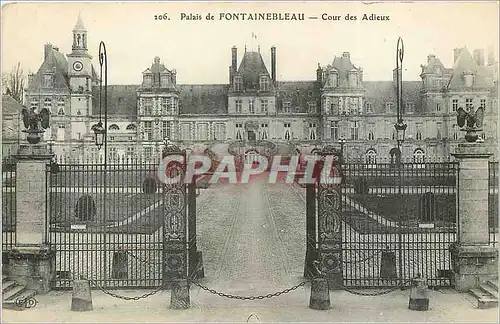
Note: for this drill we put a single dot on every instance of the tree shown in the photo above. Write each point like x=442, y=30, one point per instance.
x=14, y=82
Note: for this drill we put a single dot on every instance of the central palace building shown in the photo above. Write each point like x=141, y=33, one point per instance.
x=255, y=107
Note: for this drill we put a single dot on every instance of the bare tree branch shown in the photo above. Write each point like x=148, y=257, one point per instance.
x=14, y=83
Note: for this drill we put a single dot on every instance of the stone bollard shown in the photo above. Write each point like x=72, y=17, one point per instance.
x=200, y=272
x=120, y=265
x=81, y=300
x=320, y=294
x=179, y=298
x=388, y=265
x=419, y=298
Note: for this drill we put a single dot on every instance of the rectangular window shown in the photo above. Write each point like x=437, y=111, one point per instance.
x=263, y=106
x=48, y=81
x=219, y=132
x=148, y=130
x=369, y=107
x=409, y=107
x=468, y=104
x=148, y=106
x=418, y=134
x=389, y=106
x=312, y=131
x=438, y=130
x=34, y=104
x=239, y=131
x=334, y=130
x=202, y=132
x=237, y=83
x=286, y=107
x=354, y=131
x=251, y=108
x=166, y=105
x=438, y=107
x=47, y=103
x=238, y=105
x=186, y=132
x=148, y=153
x=130, y=152
x=455, y=132
x=482, y=103
x=454, y=104
x=264, y=83
x=287, y=134
x=166, y=130
x=263, y=134
x=371, y=137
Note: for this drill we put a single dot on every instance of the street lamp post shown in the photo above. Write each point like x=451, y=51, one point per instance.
x=400, y=127
x=342, y=142
x=100, y=131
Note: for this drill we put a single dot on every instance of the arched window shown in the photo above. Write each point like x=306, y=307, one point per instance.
x=371, y=157
x=114, y=127
x=131, y=127
x=419, y=156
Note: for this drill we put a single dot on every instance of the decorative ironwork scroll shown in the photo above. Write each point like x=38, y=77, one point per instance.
x=174, y=221
x=330, y=232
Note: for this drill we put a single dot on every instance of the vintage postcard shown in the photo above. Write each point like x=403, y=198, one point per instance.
x=250, y=161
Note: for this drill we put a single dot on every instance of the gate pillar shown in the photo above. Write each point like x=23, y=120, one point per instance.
x=474, y=259
x=175, y=220
x=32, y=261
x=311, y=242
x=195, y=257
x=329, y=218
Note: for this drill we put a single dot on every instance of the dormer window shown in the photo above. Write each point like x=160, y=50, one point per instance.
x=353, y=79
x=165, y=80
x=147, y=79
x=286, y=107
x=48, y=81
x=47, y=104
x=60, y=112
x=114, y=127
x=238, y=84
x=264, y=83
x=369, y=107
x=333, y=79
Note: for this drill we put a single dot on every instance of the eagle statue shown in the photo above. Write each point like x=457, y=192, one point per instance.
x=32, y=122
x=31, y=119
x=471, y=122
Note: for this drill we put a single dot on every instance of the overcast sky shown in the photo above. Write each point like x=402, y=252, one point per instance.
x=200, y=51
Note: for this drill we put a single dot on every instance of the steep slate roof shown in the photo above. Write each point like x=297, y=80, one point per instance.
x=122, y=100
x=55, y=61
x=483, y=75
x=298, y=93
x=343, y=66
x=203, y=98
x=251, y=67
x=381, y=92
x=10, y=106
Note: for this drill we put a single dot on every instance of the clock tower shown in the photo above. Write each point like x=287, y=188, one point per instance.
x=79, y=61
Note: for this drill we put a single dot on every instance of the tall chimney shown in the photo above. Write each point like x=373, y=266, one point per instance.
x=234, y=60
x=273, y=63
x=230, y=75
x=47, y=48
x=319, y=76
x=478, y=55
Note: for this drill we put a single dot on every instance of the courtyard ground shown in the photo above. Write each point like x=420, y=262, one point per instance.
x=253, y=241
x=445, y=306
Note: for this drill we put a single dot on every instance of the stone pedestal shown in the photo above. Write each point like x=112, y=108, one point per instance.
x=31, y=262
x=33, y=267
x=474, y=260
x=473, y=265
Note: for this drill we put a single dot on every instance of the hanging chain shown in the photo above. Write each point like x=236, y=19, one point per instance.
x=276, y=294
x=107, y=292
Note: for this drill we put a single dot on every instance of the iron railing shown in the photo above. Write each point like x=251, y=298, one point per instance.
x=493, y=202
x=107, y=227
x=398, y=221
x=8, y=204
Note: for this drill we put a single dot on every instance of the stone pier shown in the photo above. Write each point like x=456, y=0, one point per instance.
x=31, y=262
x=474, y=259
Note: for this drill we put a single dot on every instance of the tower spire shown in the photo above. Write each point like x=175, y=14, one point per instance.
x=79, y=24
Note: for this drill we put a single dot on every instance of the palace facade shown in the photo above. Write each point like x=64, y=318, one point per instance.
x=254, y=105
